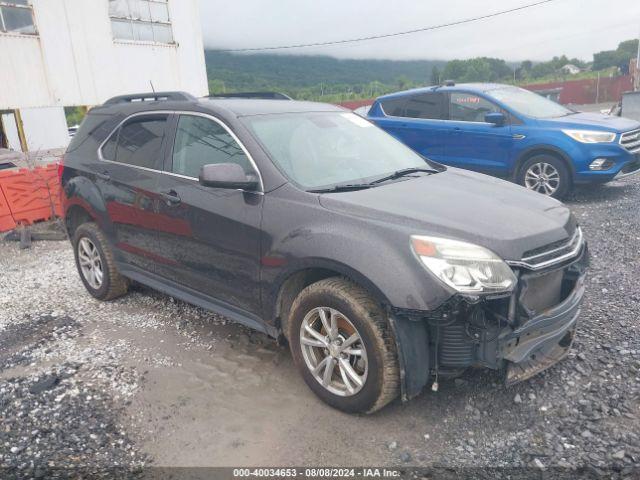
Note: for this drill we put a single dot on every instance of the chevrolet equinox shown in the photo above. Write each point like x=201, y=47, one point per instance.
x=385, y=271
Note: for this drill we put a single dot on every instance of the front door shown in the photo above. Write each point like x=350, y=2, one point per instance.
x=211, y=235
x=472, y=143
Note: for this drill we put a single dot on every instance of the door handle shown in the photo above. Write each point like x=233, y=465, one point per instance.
x=104, y=176
x=171, y=198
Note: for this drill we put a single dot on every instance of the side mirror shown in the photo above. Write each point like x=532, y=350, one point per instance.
x=227, y=175
x=496, y=118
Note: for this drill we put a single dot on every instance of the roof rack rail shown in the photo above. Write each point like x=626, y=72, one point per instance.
x=256, y=95
x=150, y=97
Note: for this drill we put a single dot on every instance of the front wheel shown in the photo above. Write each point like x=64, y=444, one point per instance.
x=342, y=344
x=546, y=175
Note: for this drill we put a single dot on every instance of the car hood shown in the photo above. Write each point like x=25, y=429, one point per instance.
x=463, y=205
x=599, y=121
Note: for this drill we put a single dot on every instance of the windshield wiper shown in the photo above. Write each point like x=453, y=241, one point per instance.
x=404, y=172
x=343, y=188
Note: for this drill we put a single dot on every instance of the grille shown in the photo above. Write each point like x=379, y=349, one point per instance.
x=551, y=254
x=631, y=141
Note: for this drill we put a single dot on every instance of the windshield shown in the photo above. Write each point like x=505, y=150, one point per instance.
x=318, y=150
x=529, y=103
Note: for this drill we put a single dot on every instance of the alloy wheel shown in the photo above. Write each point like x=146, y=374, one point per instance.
x=333, y=351
x=543, y=178
x=90, y=263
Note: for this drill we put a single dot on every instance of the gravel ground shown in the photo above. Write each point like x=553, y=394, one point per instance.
x=146, y=380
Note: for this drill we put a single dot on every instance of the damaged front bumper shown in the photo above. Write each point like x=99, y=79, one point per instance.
x=521, y=334
x=542, y=341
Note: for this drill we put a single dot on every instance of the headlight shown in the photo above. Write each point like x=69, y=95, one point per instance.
x=466, y=267
x=587, y=136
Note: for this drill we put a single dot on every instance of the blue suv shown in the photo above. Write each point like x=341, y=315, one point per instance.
x=512, y=133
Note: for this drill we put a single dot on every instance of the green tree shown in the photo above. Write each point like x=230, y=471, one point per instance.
x=619, y=57
x=403, y=82
x=435, y=76
x=482, y=69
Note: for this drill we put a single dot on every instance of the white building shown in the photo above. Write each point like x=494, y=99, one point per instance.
x=570, y=69
x=63, y=53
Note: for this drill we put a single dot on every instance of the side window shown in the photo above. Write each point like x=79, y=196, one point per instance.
x=426, y=105
x=466, y=107
x=394, y=107
x=201, y=141
x=140, y=142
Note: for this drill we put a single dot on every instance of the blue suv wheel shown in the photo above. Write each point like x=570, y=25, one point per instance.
x=545, y=174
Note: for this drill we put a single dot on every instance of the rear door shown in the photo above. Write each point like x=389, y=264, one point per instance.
x=128, y=176
x=417, y=121
x=211, y=235
x=474, y=144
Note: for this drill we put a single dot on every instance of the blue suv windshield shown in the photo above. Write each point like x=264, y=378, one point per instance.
x=528, y=103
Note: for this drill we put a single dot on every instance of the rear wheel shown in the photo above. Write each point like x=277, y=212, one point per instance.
x=342, y=344
x=95, y=263
x=545, y=174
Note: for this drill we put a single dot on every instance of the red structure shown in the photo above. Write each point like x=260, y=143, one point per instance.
x=592, y=90
x=353, y=104
x=28, y=196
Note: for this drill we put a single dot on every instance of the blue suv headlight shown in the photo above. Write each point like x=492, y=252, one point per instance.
x=589, y=136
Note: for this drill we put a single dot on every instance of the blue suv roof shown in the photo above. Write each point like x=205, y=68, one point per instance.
x=472, y=87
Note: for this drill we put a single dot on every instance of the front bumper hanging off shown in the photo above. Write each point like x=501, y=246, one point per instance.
x=521, y=334
x=542, y=341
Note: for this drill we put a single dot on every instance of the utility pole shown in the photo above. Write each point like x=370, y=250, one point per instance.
x=637, y=79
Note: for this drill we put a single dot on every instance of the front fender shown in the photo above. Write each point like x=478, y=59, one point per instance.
x=375, y=254
x=341, y=268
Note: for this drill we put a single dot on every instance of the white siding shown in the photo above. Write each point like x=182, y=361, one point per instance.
x=75, y=60
x=45, y=128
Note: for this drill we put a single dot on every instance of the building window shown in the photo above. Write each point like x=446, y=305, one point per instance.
x=141, y=20
x=16, y=16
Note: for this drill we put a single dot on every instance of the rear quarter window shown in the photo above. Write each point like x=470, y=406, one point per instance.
x=93, y=129
x=393, y=107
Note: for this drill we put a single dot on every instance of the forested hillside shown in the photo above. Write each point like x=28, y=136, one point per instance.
x=314, y=77
x=332, y=80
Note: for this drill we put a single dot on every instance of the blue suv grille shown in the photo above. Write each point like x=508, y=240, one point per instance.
x=631, y=141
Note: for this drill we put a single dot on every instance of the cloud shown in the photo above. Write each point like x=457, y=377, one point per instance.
x=577, y=28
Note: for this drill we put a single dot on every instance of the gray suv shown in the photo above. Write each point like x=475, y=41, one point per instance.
x=384, y=271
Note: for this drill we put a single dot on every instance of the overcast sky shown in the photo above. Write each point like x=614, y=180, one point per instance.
x=576, y=28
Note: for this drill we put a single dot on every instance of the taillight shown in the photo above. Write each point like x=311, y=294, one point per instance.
x=60, y=169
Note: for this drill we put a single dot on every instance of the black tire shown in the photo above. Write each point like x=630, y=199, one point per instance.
x=382, y=383
x=564, y=175
x=113, y=284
